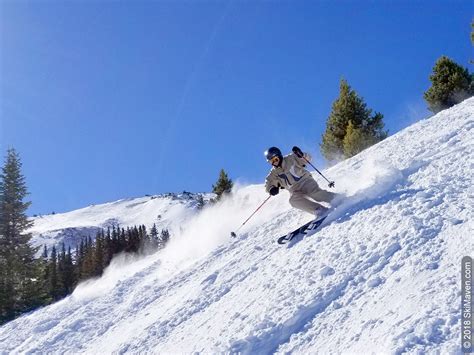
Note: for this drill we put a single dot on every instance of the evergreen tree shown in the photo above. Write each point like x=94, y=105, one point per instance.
x=80, y=256
x=54, y=287
x=164, y=238
x=143, y=239
x=122, y=241
x=99, y=254
x=88, y=264
x=472, y=39
x=223, y=185
x=154, y=237
x=349, y=107
x=109, y=247
x=472, y=32
x=43, y=289
x=68, y=278
x=18, y=268
x=61, y=270
x=450, y=84
x=356, y=140
x=115, y=240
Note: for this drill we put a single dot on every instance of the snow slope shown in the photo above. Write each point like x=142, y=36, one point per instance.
x=384, y=276
x=167, y=211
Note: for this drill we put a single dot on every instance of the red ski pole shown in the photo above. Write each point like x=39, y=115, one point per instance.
x=232, y=234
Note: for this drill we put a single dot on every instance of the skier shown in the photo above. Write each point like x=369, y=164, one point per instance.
x=288, y=172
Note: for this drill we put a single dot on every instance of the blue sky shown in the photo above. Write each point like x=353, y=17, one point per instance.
x=112, y=99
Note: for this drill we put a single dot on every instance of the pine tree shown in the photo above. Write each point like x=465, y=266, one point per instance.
x=472, y=38
x=472, y=31
x=109, y=247
x=115, y=240
x=164, y=238
x=144, y=242
x=122, y=241
x=54, y=287
x=99, y=254
x=80, y=255
x=451, y=84
x=43, y=289
x=68, y=279
x=88, y=263
x=223, y=185
x=61, y=268
x=18, y=268
x=154, y=237
x=349, y=107
x=356, y=140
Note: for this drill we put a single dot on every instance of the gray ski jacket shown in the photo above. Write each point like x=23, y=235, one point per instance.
x=289, y=174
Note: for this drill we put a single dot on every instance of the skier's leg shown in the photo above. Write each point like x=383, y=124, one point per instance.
x=312, y=189
x=323, y=195
x=299, y=201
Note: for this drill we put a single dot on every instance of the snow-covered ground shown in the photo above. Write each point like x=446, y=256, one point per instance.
x=384, y=276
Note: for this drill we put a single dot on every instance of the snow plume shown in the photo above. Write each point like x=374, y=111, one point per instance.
x=370, y=177
x=213, y=225
x=415, y=111
x=337, y=157
x=122, y=267
x=210, y=228
x=194, y=239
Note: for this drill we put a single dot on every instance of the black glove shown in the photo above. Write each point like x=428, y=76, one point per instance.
x=298, y=152
x=274, y=191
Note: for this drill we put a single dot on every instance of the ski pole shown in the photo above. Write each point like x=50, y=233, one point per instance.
x=232, y=234
x=331, y=183
x=300, y=154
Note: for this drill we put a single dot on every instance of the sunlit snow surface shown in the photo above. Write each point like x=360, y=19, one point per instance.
x=383, y=276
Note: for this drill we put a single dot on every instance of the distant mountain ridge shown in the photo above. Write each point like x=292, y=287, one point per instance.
x=167, y=211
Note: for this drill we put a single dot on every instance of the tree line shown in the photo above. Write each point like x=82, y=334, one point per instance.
x=27, y=282
x=60, y=271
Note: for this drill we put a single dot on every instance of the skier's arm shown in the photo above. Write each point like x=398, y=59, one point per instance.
x=271, y=181
x=300, y=154
x=300, y=157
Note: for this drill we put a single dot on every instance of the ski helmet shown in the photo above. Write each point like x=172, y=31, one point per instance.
x=272, y=152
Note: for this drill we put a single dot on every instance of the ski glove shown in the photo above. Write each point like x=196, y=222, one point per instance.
x=298, y=152
x=274, y=191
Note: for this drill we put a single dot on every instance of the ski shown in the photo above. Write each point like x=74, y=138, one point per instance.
x=306, y=229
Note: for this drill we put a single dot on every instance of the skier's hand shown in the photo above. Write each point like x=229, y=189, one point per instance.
x=274, y=191
x=299, y=153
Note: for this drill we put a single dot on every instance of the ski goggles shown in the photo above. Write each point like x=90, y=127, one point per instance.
x=274, y=160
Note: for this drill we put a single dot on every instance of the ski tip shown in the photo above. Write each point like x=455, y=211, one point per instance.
x=282, y=240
